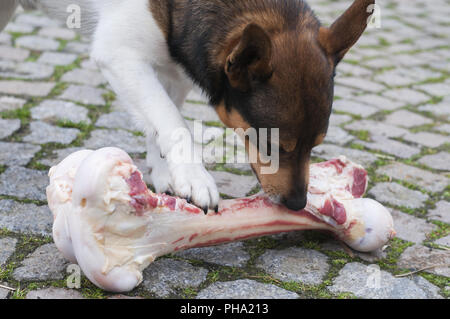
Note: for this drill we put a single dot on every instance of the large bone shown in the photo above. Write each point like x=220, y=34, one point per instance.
x=108, y=222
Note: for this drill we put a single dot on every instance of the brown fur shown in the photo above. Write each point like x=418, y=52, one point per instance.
x=264, y=64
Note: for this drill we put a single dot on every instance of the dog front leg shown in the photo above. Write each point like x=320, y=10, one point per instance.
x=136, y=83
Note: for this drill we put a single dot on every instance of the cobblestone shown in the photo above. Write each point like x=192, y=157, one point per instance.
x=7, y=248
x=43, y=133
x=411, y=228
x=60, y=110
x=395, y=194
x=392, y=103
x=245, y=289
x=426, y=180
x=45, y=263
x=369, y=282
x=420, y=257
x=8, y=127
x=164, y=276
x=231, y=255
x=295, y=264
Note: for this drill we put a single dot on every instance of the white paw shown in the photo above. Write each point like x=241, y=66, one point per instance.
x=160, y=178
x=193, y=182
x=159, y=173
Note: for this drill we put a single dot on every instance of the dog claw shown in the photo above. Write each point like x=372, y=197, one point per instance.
x=216, y=209
x=206, y=209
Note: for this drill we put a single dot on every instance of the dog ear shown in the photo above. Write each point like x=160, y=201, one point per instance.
x=250, y=59
x=346, y=30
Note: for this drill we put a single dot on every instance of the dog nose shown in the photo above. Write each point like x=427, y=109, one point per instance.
x=295, y=202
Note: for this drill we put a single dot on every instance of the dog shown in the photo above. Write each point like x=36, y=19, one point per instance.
x=262, y=64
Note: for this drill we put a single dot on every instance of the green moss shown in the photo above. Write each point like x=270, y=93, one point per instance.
x=396, y=248
x=362, y=135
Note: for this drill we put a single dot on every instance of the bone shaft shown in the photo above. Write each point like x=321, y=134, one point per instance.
x=240, y=224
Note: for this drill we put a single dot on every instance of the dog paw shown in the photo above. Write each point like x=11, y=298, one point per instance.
x=194, y=183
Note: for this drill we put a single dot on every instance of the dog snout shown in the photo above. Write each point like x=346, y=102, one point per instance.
x=297, y=200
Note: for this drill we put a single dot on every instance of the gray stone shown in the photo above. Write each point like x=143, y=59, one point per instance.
x=15, y=54
x=295, y=264
x=354, y=107
x=389, y=146
x=165, y=276
x=362, y=84
x=427, y=139
x=407, y=95
x=35, y=89
x=393, y=78
x=339, y=119
x=24, y=183
x=43, y=133
x=444, y=241
x=77, y=47
x=19, y=27
x=376, y=128
x=84, y=94
x=226, y=183
x=57, y=58
x=25, y=218
x=336, y=135
x=17, y=154
x=245, y=289
x=9, y=103
x=243, y=167
x=232, y=254
x=45, y=263
x=372, y=283
x=83, y=76
x=200, y=112
x=36, y=20
x=8, y=127
x=27, y=71
x=89, y=64
x=440, y=110
x=344, y=92
x=352, y=69
x=5, y=38
x=54, y=293
x=441, y=212
x=419, y=257
x=57, y=33
x=439, y=161
x=4, y=293
x=60, y=110
x=429, y=181
x=121, y=120
x=445, y=128
x=411, y=228
x=37, y=43
x=60, y=156
x=116, y=138
x=379, y=102
x=7, y=248
x=436, y=89
x=407, y=119
x=328, y=151
x=398, y=195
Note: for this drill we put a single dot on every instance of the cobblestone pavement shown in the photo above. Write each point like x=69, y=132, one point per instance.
x=391, y=114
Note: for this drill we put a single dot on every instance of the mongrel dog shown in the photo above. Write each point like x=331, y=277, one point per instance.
x=262, y=63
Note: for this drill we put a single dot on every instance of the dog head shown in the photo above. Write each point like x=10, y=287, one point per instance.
x=285, y=80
